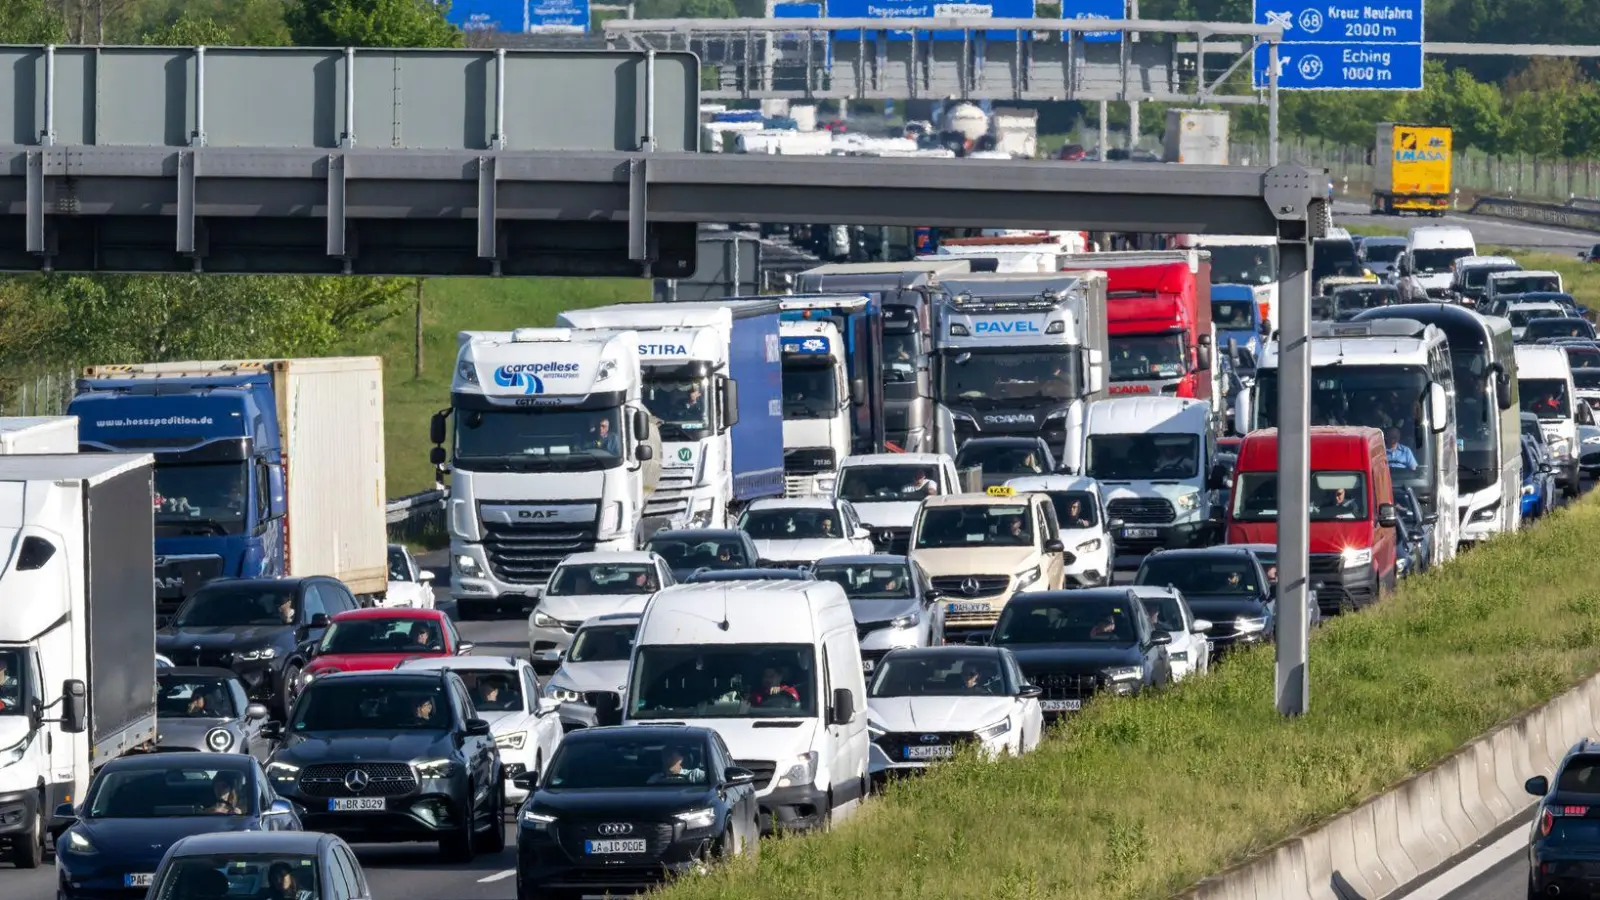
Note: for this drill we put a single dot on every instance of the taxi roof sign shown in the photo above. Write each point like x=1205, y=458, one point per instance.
x=1002, y=490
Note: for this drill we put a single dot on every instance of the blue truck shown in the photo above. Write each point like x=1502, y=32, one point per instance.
x=1237, y=317
x=264, y=468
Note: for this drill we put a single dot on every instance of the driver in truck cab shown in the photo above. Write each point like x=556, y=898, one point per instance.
x=604, y=439
x=774, y=691
x=10, y=685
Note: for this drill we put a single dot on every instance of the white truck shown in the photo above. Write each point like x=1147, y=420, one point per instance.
x=1196, y=137
x=38, y=434
x=554, y=453
x=706, y=367
x=77, y=635
x=832, y=386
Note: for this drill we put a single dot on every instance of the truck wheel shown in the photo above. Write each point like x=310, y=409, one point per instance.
x=28, y=850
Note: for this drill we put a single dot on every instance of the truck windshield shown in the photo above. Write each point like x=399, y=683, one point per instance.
x=1243, y=265
x=222, y=606
x=680, y=405
x=1233, y=315
x=11, y=671
x=1141, y=357
x=887, y=484
x=900, y=354
x=739, y=681
x=948, y=527
x=602, y=643
x=1546, y=398
x=1126, y=457
x=809, y=391
x=1392, y=399
x=379, y=704
x=1011, y=376
x=1335, y=497
x=537, y=439
x=1437, y=261
x=211, y=495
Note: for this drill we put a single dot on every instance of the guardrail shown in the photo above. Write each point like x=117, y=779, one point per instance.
x=418, y=518
x=1584, y=216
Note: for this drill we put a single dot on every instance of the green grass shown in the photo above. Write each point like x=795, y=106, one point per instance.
x=451, y=305
x=1138, y=798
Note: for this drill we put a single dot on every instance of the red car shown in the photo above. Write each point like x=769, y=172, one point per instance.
x=366, y=640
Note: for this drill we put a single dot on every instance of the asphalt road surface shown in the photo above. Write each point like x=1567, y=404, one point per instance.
x=1497, y=232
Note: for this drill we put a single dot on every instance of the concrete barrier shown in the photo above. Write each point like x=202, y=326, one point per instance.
x=1561, y=215
x=1373, y=850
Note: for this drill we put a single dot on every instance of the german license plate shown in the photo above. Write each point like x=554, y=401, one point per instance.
x=598, y=848
x=141, y=879
x=942, y=751
x=1137, y=533
x=966, y=607
x=867, y=665
x=1060, y=705
x=358, y=804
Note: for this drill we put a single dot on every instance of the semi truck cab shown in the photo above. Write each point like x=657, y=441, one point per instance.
x=832, y=387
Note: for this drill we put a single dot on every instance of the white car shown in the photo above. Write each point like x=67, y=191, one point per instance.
x=597, y=660
x=801, y=530
x=1521, y=314
x=410, y=586
x=1190, y=650
x=892, y=602
x=924, y=702
x=506, y=694
x=1086, y=531
x=586, y=585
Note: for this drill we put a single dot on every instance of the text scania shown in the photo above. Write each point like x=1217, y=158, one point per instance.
x=1019, y=327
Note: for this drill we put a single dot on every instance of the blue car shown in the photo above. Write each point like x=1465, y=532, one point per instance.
x=138, y=806
x=1537, y=482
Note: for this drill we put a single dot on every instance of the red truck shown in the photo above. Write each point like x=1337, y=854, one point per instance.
x=1158, y=317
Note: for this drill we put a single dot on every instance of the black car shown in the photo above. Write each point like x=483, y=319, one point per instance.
x=891, y=599
x=622, y=808
x=1076, y=644
x=261, y=628
x=801, y=573
x=138, y=806
x=1226, y=585
x=1350, y=300
x=1418, y=525
x=249, y=864
x=1569, y=327
x=1564, y=843
x=687, y=550
x=397, y=755
x=1005, y=458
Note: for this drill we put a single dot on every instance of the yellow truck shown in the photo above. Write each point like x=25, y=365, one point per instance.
x=1411, y=170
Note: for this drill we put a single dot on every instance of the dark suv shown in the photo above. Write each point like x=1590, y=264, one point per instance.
x=391, y=756
x=1226, y=584
x=1564, y=846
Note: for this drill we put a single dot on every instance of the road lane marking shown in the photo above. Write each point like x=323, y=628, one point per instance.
x=498, y=876
x=1471, y=867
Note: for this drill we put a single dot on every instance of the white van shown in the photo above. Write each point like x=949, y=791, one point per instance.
x=1154, y=457
x=775, y=668
x=1544, y=381
x=1430, y=252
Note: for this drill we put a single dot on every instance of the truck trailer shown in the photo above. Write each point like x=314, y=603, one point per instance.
x=1411, y=169
x=38, y=434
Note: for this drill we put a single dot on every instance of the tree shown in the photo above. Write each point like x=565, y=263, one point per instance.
x=30, y=22
x=189, y=30
x=371, y=23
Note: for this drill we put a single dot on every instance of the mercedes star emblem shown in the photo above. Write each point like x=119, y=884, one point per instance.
x=969, y=586
x=612, y=829
x=357, y=780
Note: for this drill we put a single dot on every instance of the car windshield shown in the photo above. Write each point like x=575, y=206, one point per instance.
x=1334, y=257
x=1380, y=252
x=1124, y=457
x=868, y=581
x=689, y=553
x=1001, y=460
x=1075, y=509
x=583, y=579
x=193, y=697
x=1164, y=613
x=887, y=483
x=679, y=403
x=373, y=704
x=791, y=524
x=1584, y=356
x=1233, y=315
x=399, y=565
x=1142, y=357
x=602, y=643
x=386, y=635
x=1437, y=260
x=913, y=674
x=1546, y=398
x=627, y=762
x=1478, y=276
x=1521, y=317
x=1200, y=576
x=226, y=606
x=1085, y=621
x=494, y=690
x=974, y=526
x=1011, y=377
x=239, y=876
x=1564, y=326
x=1355, y=299
x=809, y=391
x=1520, y=283
x=1243, y=264
x=745, y=681
x=171, y=792
x=538, y=439
x=1335, y=496
x=1588, y=379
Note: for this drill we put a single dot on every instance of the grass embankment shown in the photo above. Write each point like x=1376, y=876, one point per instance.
x=460, y=304
x=1140, y=798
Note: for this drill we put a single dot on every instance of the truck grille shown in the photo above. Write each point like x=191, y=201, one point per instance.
x=764, y=769
x=383, y=780
x=527, y=554
x=1141, y=510
x=179, y=576
x=795, y=486
x=953, y=587
x=1326, y=564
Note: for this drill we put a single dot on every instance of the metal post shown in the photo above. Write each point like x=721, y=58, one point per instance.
x=1105, y=132
x=1294, y=476
x=1131, y=11
x=1272, y=106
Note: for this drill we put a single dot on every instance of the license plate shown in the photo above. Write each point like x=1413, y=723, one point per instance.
x=966, y=607
x=358, y=804
x=943, y=751
x=867, y=665
x=597, y=848
x=140, y=880
x=1137, y=533
x=1060, y=705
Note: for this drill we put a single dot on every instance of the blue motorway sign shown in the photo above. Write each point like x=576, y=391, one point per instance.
x=489, y=15
x=1333, y=45
x=558, y=16
x=1096, y=9
x=922, y=9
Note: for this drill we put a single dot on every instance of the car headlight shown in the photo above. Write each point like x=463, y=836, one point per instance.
x=282, y=771
x=466, y=565
x=1356, y=557
x=990, y=732
x=1124, y=673
x=260, y=653
x=436, y=768
x=1179, y=656
x=695, y=819
x=14, y=753
x=219, y=740
x=561, y=693
x=874, y=730
x=512, y=741
x=611, y=519
x=909, y=620
x=802, y=771
x=825, y=483
x=1248, y=625
x=1488, y=513
x=537, y=821
x=1088, y=546
x=540, y=620
x=1188, y=502
x=1027, y=578
x=79, y=843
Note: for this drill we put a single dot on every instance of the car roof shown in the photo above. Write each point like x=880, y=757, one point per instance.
x=261, y=583
x=1534, y=304
x=429, y=675
x=307, y=842
x=976, y=499
x=863, y=559
x=1200, y=552
x=895, y=459
x=197, y=672
x=1253, y=548
x=792, y=503
x=647, y=732
x=949, y=650
x=1075, y=595
x=463, y=663
x=399, y=612
x=1047, y=483
x=610, y=556
x=697, y=534
x=719, y=576
x=1150, y=590
x=147, y=761
x=613, y=619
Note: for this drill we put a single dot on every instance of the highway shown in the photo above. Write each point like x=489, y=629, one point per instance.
x=1497, y=869
x=1496, y=232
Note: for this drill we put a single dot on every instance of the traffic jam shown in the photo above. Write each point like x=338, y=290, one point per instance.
x=772, y=551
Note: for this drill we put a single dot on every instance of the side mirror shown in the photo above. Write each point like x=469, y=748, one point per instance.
x=843, y=710
x=280, y=807
x=641, y=424
x=320, y=620
x=425, y=576
x=1502, y=386
x=477, y=728
x=730, y=402
x=1538, y=785
x=548, y=705
x=527, y=781
x=255, y=711
x=863, y=534
x=607, y=709
x=74, y=706
x=1054, y=546
x=436, y=428
x=272, y=731
x=644, y=453
x=436, y=456
x=1202, y=355
x=1114, y=523
x=465, y=647
x=858, y=391
x=1387, y=517
x=1160, y=639
x=1030, y=692
x=733, y=776
x=1438, y=406
x=1201, y=626
x=65, y=811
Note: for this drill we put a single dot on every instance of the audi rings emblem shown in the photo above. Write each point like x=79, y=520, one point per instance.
x=357, y=780
x=969, y=586
x=612, y=829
